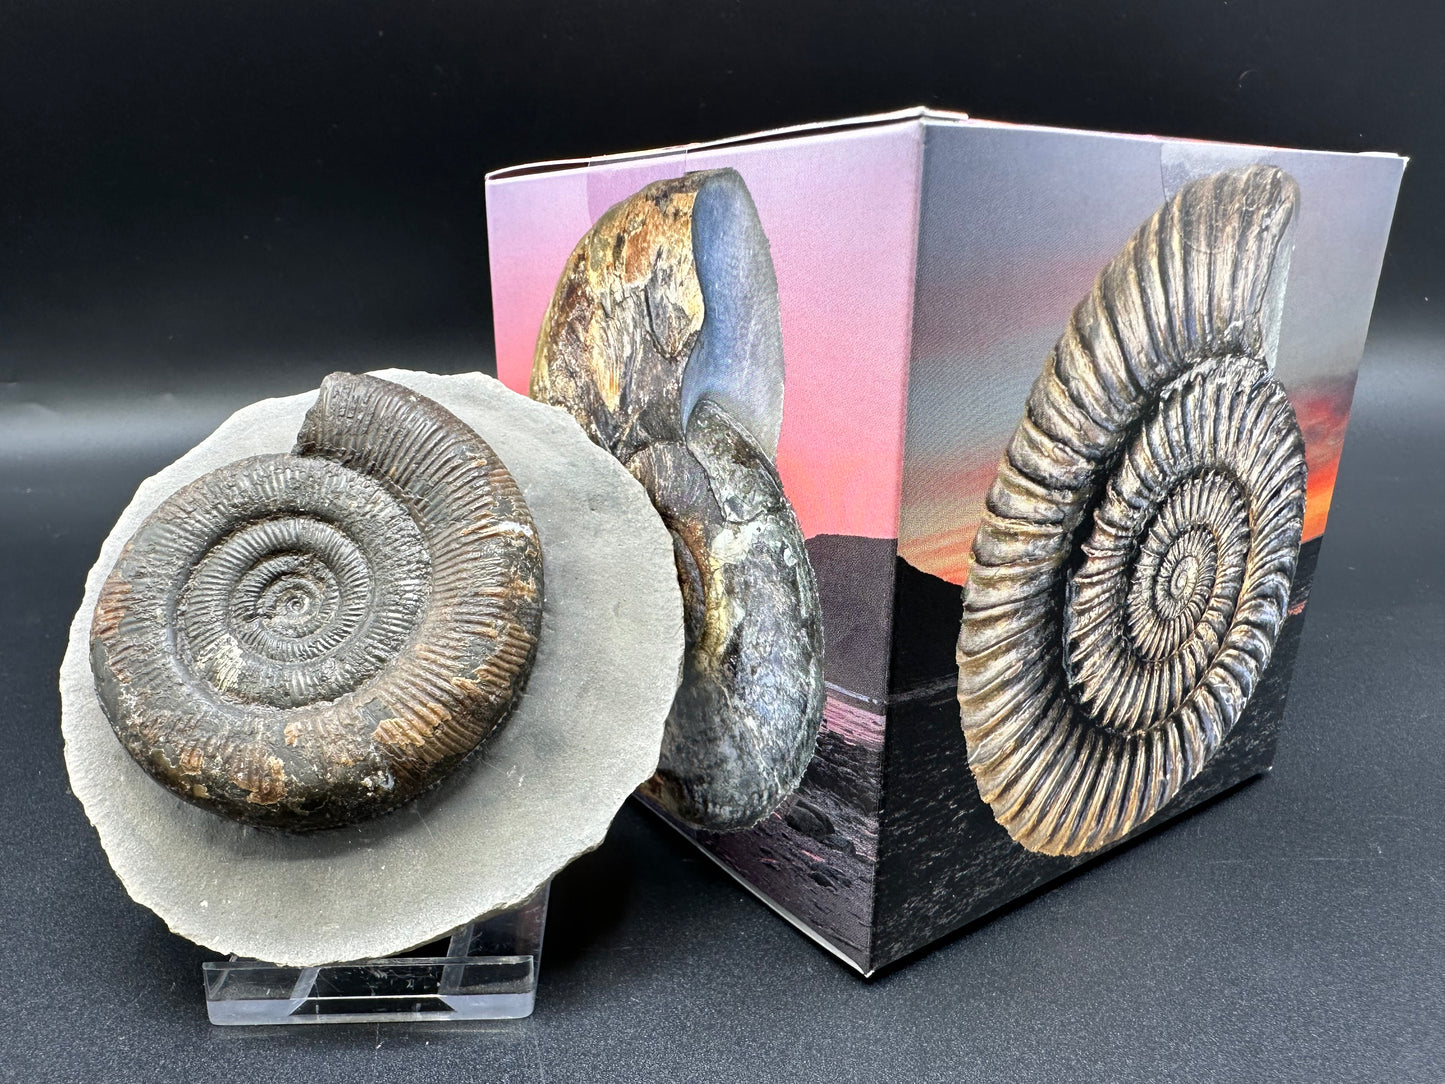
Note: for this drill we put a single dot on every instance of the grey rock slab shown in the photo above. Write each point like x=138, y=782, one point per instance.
x=537, y=794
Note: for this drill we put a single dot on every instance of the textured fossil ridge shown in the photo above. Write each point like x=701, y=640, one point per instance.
x=304, y=640
x=541, y=790
x=663, y=340
x=1132, y=568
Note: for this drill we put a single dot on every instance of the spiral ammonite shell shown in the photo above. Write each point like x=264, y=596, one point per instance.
x=305, y=640
x=663, y=340
x=1133, y=566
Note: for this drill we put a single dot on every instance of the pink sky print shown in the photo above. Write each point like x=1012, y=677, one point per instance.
x=1028, y=218
x=840, y=214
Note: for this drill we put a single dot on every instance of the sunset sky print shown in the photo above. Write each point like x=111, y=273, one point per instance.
x=839, y=212
x=1009, y=226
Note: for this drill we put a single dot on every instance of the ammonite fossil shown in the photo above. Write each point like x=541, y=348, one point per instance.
x=663, y=340
x=1133, y=566
x=304, y=640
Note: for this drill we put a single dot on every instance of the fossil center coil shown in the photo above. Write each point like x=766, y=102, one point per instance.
x=304, y=640
x=1177, y=571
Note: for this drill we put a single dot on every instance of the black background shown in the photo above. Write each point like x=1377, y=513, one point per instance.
x=205, y=203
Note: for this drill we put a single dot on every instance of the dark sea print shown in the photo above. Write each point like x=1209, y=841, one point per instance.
x=814, y=857
x=886, y=845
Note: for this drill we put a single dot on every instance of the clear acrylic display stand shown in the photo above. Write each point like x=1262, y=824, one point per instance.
x=486, y=970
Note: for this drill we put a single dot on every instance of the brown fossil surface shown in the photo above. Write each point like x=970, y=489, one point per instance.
x=540, y=791
x=1132, y=569
x=663, y=340
x=306, y=640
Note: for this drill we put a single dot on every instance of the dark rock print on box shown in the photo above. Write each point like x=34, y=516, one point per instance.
x=663, y=341
x=1132, y=570
x=303, y=641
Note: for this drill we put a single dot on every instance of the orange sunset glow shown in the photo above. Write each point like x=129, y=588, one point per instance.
x=1323, y=410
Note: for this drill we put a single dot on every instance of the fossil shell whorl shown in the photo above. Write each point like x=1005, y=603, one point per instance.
x=663, y=339
x=744, y=572
x=668, y=299
x=1132, y=568
x=305, y=640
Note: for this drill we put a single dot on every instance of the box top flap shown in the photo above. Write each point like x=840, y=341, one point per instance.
x=912, y=115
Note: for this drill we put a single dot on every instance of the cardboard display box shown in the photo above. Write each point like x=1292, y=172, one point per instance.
x=994, y=338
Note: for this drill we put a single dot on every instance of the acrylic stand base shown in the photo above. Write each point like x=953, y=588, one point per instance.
x=486, y=970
